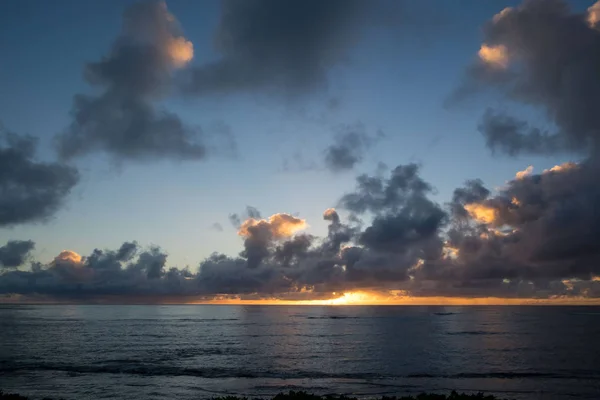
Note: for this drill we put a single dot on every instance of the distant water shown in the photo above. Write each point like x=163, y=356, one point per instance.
x=192, y=352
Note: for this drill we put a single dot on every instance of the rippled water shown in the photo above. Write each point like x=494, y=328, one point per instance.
x=191, y=352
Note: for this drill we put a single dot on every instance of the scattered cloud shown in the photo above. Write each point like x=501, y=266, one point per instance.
x=217, y=227
x=286, y=47
x=535, y=238
x=250, y=212
x=126, y=120
x=351, y=142
x=15, y=252
x=30, y=190
x=541, y=54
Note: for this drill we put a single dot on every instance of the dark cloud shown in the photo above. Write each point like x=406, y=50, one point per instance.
x=282, y=46
x=124, y=119
x=217, y=227
x=536, y=237
x=30, y=190
x=473, y=192
x=406, y=226
x=235, y=220
x=250, y=212
x=538, y=229
x=261, y=234
x=350, y=145
x=15, y=252
x=513, y=136
x=297, y=247
x=220, y=274
x=123, y=272
x=127, y=251
x=378, y=195
x=542, y=54
x=337, y=232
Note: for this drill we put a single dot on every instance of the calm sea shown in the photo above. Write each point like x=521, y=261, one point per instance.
x=192, y=352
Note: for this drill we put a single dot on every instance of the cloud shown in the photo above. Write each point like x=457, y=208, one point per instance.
x=30, y=190
x=217, y=227
x=525, y=173
x=350, y=144
x=593, y=14
x=536, y=237
x=377, y=195
x=331, y=215
x=124, y=119
x=127, y=271
x=495, y=56
x=250, y=212
x=259, y=235
x=68, y=257
x=406, y=226
x=512, y=136
x=545, y=55
x=14, y=253
x=539, y=229
x=284, y=47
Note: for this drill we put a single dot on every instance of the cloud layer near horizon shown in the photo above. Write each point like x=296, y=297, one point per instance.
x=534, y=238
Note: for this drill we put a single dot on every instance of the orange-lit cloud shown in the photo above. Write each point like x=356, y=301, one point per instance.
x=181, y=51
x=501, y=14
x=562, y=167
x=279, y=225
x=330, y=213
x=481, y=213
x=68, y=256
x=154, y=24
x=525, y=173
x=593, y=14
x=496, y=56
x=450, y=251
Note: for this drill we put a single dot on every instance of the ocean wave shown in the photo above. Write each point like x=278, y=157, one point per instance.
x=444, y=313
x=220, y=373
x=128, y=320
x=475, y=333
x=506, y=375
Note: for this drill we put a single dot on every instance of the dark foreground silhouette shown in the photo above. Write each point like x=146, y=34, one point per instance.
x=306, y=396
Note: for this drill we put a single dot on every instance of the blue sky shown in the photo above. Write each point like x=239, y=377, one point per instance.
x=394, y=83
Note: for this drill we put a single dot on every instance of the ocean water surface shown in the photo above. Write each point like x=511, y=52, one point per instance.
x=194, y=352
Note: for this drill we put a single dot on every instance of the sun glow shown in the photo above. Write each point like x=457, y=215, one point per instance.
x=351, y=298
x=400, y=298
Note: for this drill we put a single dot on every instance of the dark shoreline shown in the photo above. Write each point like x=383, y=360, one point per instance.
x=307, y=396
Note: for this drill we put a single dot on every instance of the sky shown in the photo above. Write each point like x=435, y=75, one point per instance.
x=294, y=150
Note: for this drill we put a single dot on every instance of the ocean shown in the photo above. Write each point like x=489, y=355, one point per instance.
x=202, y=351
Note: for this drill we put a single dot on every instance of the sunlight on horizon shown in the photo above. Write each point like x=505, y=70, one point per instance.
x=365, y=298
